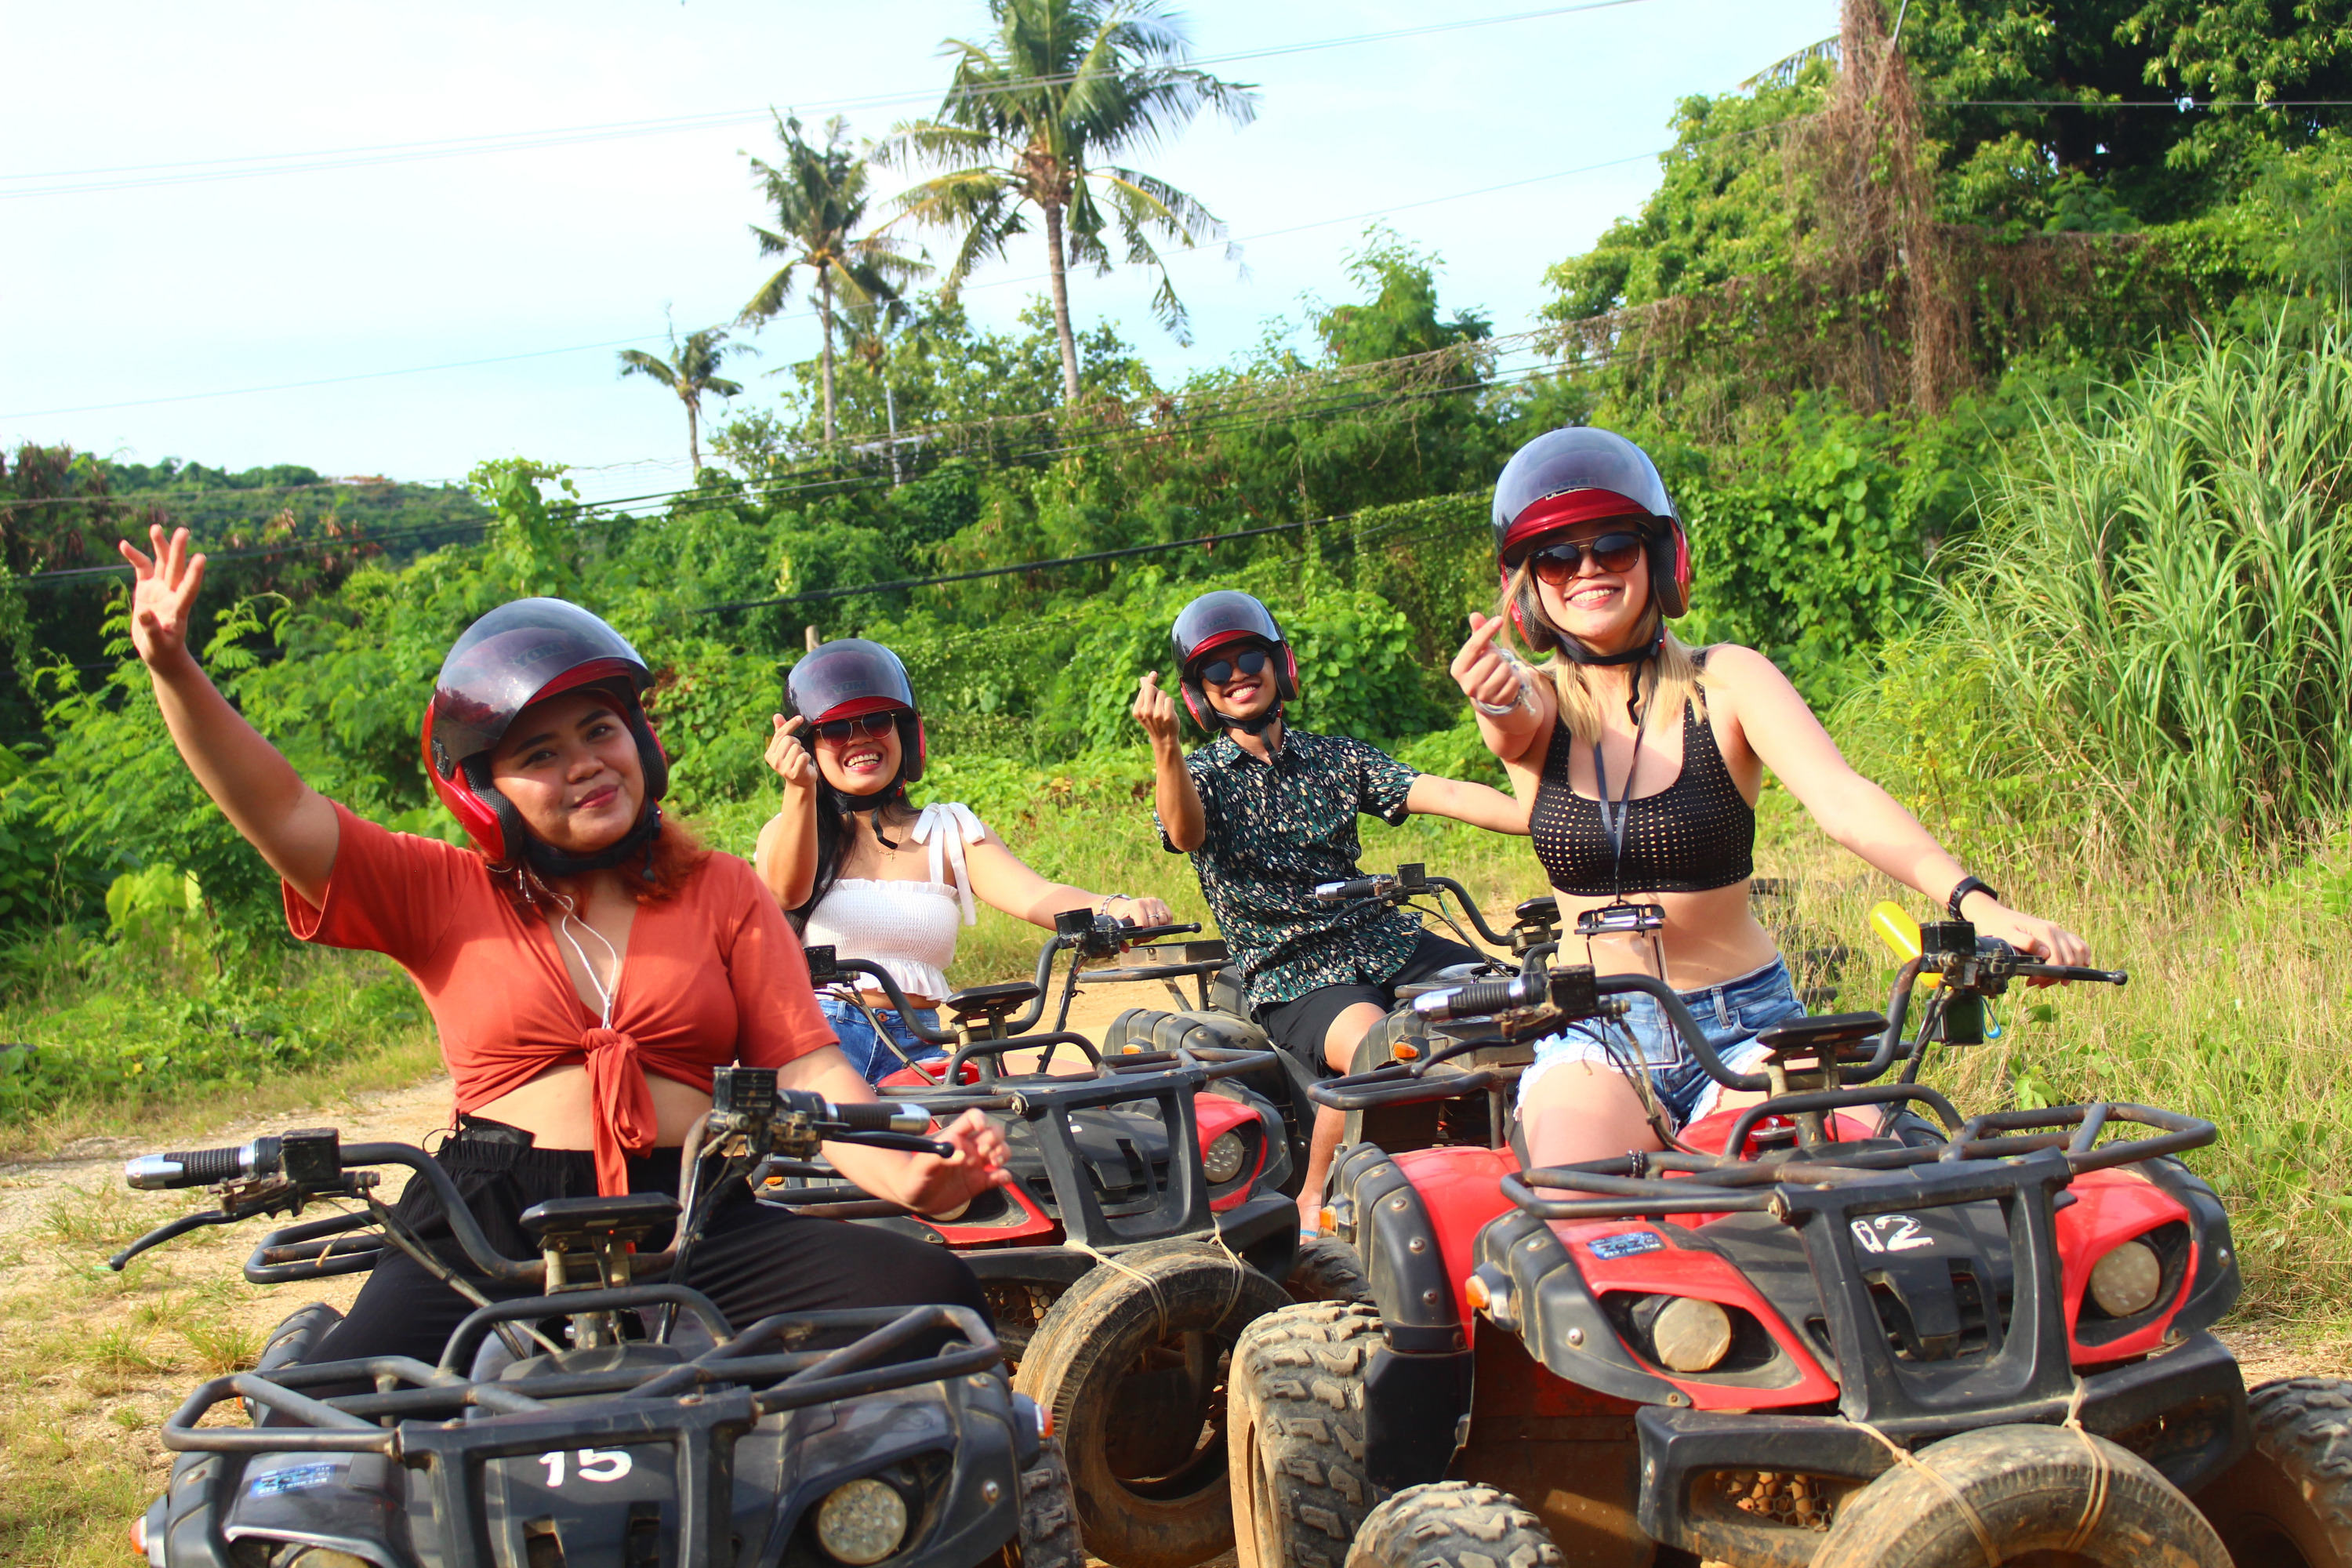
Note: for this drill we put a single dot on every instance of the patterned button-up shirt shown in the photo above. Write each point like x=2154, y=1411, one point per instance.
x=1274, y=831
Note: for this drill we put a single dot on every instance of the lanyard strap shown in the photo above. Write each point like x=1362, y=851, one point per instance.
x=1615, y=826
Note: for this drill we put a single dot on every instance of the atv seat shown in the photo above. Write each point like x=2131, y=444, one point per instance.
x=1538, y=911
x=993, y=1003
x=575, y=1224
x=1841, y=1037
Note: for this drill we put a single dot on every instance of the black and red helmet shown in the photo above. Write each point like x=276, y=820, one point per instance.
x=850, y=678
x=1582, y=474
x=519, y=654
x=1213, y=621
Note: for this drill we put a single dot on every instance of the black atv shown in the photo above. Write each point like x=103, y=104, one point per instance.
x=1801, y=1338
x=609, y=1420
x=1146, y=1225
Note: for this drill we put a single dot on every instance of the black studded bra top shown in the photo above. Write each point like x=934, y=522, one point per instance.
x=1697, y=833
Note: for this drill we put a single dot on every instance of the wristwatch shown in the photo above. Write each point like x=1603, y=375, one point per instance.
x=1967, y=885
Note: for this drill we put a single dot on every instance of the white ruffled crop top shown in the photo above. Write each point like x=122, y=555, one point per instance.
x=907, y=928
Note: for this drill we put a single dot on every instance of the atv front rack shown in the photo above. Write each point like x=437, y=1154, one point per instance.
x=769, y=1379
x=2025, y=1363
x=1622, y=1188
x=1168, y=1079
x=451, y=1425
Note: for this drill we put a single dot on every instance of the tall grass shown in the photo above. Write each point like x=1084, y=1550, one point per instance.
x=2148, y=635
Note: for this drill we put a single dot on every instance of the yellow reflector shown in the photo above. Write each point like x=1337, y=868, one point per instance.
x=1475, y=1289
x=1405, y=1051
x=1327, y=1221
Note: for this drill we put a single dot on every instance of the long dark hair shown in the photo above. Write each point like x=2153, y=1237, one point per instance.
x=838, y=815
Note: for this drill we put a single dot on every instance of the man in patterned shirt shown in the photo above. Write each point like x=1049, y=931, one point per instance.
x=1268, y=812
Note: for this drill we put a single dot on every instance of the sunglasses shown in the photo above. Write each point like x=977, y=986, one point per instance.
x=876, y=725
x=1217, y=671
x=1556, y=564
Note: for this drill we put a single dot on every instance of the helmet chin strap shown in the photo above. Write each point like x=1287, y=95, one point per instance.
x=548, y=861
x=1579, y=653
x=1258, y=726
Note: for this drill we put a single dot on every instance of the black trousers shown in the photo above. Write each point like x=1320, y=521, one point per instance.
x=1299, y=1026
x=752, y=1260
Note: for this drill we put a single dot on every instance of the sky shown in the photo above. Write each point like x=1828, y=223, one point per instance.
x=155, y=281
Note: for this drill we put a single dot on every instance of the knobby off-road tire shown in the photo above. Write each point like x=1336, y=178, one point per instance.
x=1296, y=1435
x=290, y=1341
x=1049, y=1516
x=1453, y=1524
x=2029, y=1485
x=1328, y=1270
x=2288, y=1503
x=1133, y=1362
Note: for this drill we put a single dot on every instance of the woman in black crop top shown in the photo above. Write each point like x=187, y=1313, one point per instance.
x=1640, y=761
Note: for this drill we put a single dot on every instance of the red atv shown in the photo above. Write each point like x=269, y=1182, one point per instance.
x=1146, y=1225
x=1795, y=1339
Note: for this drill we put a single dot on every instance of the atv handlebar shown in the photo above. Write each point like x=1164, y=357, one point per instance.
x=285, y=1171
x=1480, y=998
x=1408, y=881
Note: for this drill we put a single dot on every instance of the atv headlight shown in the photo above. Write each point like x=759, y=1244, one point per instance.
x=1690, y=1334
x=2125, y=1282
x=862, y=1522
x=1224, y=1160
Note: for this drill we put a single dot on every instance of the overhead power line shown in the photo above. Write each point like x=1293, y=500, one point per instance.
x=835, y=481
x=1201, y=541
x=139, y=176
x=993, y=283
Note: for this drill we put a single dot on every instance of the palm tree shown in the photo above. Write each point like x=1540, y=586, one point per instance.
x=1065, y=83
x=820, y=197
x=866, y=331
x=690, y=371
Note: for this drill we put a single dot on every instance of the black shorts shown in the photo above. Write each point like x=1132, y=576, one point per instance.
x=1299, y=1026
x=752, y=1260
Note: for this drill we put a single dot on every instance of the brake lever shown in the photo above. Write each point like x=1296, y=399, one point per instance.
x=906, y=1143
x=281, y=1196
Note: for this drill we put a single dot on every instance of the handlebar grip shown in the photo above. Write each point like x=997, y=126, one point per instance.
x=1132, y=934
x=1483, y=996
x=1354, y=887
x=883, y=1116
x=201, y=1167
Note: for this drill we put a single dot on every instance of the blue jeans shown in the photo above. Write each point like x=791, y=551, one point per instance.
x=1731, y=1013
x=864, y=1046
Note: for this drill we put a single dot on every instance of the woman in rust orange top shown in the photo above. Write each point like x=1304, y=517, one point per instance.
x=587, y=963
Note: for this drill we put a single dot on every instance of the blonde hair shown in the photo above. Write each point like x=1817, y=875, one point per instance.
x=1675, y=676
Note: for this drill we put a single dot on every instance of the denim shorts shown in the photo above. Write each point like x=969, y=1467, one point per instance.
x=1731, y=1014
x=864, y=1046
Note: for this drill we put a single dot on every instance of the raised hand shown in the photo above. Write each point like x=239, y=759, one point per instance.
x=788, y=753
x=1485, y=672
x=1155, y=710
x=162, y=594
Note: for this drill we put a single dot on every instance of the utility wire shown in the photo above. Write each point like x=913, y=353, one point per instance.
x=1201, y=541
x=143, y=176
x=909, y=436
x=580, y=512
x=810, y=313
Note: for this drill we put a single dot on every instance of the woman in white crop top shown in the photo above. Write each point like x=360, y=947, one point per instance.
x=856, y=866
